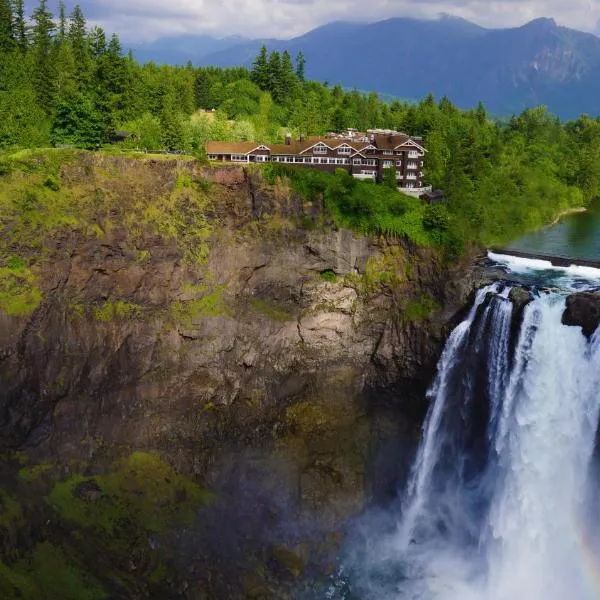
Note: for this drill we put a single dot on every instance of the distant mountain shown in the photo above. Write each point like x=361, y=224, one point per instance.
x=508, y=69
x=178, y=50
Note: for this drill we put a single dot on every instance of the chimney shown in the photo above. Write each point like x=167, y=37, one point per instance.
x=301, y=137
x=288, y=139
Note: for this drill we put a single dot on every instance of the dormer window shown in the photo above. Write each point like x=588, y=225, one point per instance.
x=388, y=152
x=320, y=149
x=344, y=150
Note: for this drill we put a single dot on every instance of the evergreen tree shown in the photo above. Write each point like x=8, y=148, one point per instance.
x=81, y=47
x=7, y=38
x=275, y=85
x=43, y=67
x=301, y=67
x=97, y=41
x=288, y=77
x=260, y=70
x=202, y=89
x=62, y=22
x=19, y=24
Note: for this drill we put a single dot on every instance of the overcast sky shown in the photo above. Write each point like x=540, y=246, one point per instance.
x=139, y=20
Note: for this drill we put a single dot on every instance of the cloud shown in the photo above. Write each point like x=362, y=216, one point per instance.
x=138, y=20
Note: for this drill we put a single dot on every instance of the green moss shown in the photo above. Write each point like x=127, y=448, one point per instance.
x=141, y=488
x=11, y=514
x=31, y=474
x=19, y=294
x=117, y=309
x=272, y=310
x=183, y=216
x=329, y=275
x=420, y=309
x=209, y=305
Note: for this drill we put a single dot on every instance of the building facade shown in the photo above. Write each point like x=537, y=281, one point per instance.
x=364, y=155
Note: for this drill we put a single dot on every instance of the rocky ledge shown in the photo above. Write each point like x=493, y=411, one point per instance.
x=583, y=310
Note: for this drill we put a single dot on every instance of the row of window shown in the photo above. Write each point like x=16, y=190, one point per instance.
x=370, y=162
x=311, y=160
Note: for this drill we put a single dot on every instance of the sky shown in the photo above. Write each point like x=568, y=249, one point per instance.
x=146, y=20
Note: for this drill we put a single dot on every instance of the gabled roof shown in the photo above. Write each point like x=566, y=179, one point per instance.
x=233, y=147
x=411, y=143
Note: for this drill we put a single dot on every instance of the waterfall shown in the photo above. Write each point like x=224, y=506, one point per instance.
x=495, y=508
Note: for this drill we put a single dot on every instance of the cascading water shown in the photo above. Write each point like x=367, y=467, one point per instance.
x=496, y=505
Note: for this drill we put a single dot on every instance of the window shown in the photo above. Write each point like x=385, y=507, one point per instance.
x=344, y=150
x=357, y=161
x=320, y=149
x=388, y=152
x=262, y=158
x=412, y=165
x=370, y=162
x=213, y=157
x=413, y=154
x=239, y=158
x=298, y=159
x=398, y=163
x=368, y=172
x=388, y=163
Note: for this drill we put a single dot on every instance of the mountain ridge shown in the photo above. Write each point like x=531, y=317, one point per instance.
x=511, y=69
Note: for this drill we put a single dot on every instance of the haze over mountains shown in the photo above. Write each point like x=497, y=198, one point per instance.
x=507, y=69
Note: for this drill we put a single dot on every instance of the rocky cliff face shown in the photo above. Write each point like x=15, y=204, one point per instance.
x=227, y=327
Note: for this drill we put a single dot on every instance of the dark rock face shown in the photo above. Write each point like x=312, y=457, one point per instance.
x=583, y=310
x=279, y=390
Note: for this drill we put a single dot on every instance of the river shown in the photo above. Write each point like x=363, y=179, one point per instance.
x=575, y=236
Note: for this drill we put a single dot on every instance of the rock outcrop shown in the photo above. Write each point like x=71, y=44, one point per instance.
x=583, y=310
x=280, y=368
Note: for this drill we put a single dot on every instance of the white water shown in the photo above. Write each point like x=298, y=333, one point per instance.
x=502, y=517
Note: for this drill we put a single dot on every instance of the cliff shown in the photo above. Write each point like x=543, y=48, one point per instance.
x=202, y=379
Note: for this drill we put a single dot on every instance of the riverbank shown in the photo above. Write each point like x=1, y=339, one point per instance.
x=567, y=213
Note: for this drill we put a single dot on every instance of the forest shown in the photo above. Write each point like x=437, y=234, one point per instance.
x=65, y=83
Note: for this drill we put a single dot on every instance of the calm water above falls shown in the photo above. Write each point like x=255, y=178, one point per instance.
x=576, y=236
x=503, y=499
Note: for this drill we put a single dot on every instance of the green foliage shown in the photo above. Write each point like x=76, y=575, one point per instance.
x=329, y=276
x=67, y=85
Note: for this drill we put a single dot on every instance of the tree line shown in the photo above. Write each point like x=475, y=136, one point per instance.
x=63, y=82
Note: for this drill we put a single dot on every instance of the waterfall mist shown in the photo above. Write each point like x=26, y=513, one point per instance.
x=499, y=503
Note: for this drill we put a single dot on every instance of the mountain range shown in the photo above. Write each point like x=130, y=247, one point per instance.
x=507, y=69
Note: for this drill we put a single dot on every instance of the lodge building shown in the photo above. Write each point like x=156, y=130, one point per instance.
x=364, y=155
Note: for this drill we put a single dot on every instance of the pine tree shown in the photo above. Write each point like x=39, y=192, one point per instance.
x=80, y=44
x=7, y=39
x=260, y=70
x=62, y=22
x=202, y=90
x=43, y=67
x=301, y=67
x=97, y=41
x=19, y=24
x=275, y=85
x=288, y=77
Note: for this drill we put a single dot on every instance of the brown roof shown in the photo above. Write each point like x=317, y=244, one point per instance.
x=231, y=147
x=389, y=142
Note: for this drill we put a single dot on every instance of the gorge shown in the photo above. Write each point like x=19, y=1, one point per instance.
x=501, y=501
x=210, y=390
